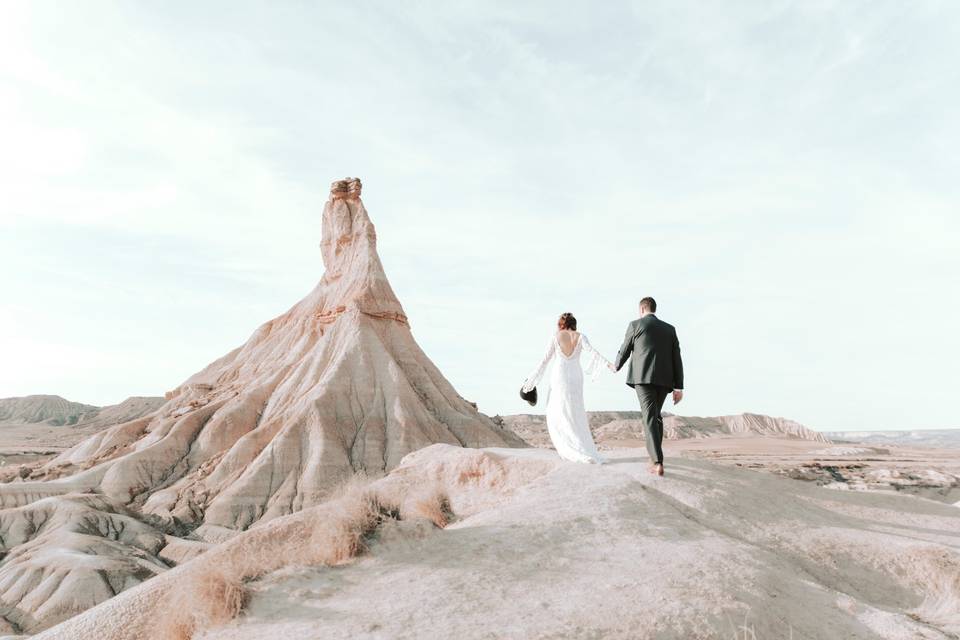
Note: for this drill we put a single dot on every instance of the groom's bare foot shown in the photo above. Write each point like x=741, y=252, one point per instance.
x=657, y=469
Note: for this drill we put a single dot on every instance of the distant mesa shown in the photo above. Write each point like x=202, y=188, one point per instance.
x=44, y=409
x=608, y=426
x=937, y=438
x=678, y=427
x=55, y=411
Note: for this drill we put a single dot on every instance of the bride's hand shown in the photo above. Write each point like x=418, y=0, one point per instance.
x=611, y=367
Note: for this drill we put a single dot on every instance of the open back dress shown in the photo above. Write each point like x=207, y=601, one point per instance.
x=566, y=414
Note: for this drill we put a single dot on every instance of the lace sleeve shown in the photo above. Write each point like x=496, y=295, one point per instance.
x=594, y=363
x=534, y=378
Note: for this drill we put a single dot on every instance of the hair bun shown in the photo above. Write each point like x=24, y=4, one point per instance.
x=567, y=321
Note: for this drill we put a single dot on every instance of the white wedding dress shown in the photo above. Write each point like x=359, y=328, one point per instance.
x=566, y=415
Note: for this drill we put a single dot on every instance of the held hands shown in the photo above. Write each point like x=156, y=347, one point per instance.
x=611, y=367
x=677, y=396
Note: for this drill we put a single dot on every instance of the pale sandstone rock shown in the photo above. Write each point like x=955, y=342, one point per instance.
x=178, y=551
x=64, y=554
x=335, y=386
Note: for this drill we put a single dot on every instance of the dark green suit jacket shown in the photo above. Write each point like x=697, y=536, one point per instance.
x=656, y=353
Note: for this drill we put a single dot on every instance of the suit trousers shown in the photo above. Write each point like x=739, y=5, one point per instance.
x=651, y=398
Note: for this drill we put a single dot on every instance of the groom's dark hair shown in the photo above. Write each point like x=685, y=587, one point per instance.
x=649, y=304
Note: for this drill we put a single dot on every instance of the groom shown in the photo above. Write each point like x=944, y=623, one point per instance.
x=655, y=370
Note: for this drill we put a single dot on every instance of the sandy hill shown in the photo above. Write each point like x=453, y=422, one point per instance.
x=617, y=426
x=335, y=386
x=517, y=544
x=43, y=409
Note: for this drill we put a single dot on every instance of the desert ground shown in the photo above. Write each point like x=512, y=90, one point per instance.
x=926, y=472
x=750, y=534
x=930, y=470
x=540, y=548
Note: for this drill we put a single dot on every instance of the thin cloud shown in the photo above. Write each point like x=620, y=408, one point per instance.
x=778, y=175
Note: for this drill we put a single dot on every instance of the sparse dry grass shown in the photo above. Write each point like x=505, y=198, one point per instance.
x=430, y=502
x=212, y=598
x=939, y=575
x=213, y=591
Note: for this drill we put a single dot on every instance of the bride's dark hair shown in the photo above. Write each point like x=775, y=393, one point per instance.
x=567, y=321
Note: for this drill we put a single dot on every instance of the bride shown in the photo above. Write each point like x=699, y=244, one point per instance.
x=566, y=416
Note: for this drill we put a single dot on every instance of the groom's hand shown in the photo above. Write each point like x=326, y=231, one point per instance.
x=677, y=396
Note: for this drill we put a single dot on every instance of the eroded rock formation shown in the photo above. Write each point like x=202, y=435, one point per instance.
x=334, y=386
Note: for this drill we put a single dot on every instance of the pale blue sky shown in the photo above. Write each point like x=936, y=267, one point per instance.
x=781, y=176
